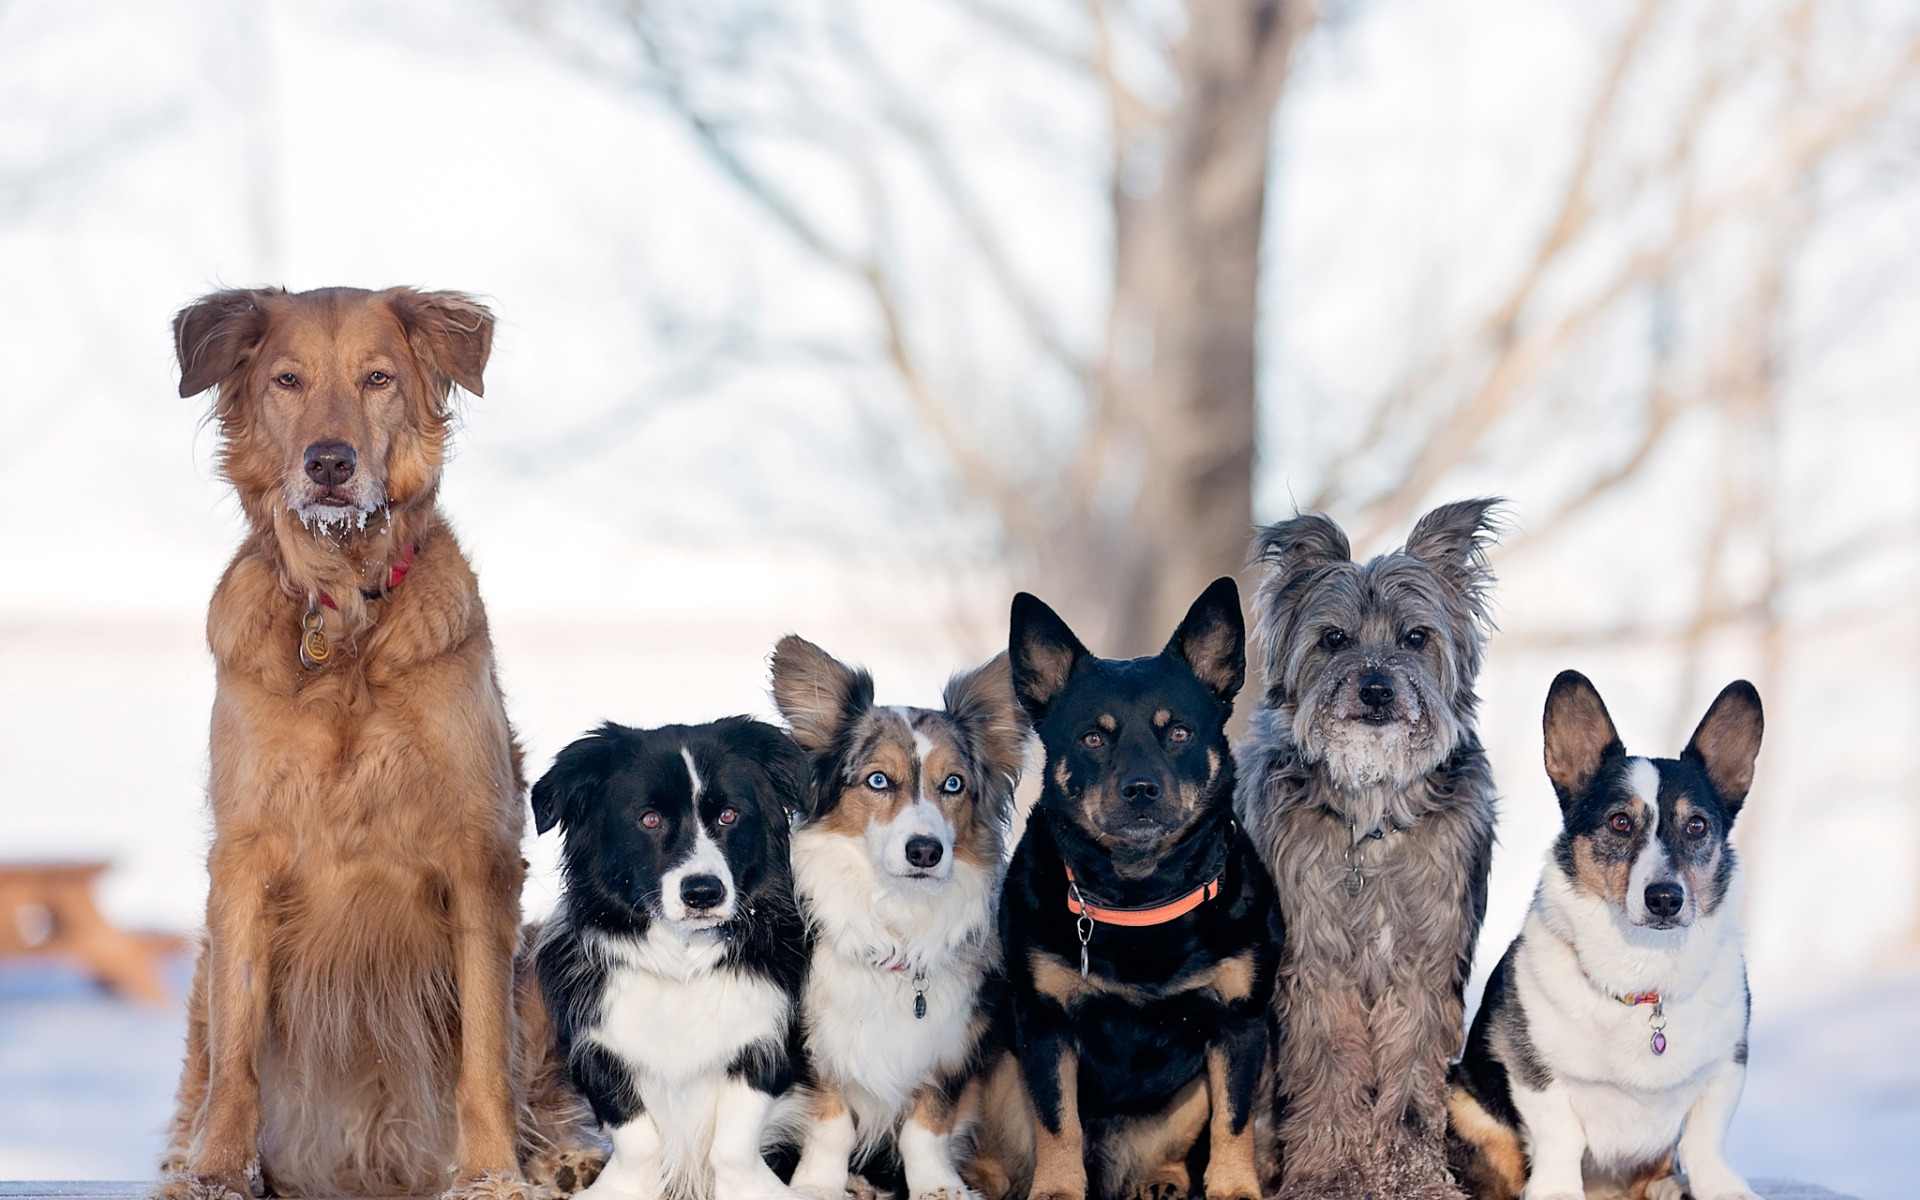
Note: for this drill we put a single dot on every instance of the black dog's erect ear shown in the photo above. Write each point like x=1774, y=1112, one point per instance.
x=577, y=773
x=215, y=335
x=1727, y=742
x=1043, y=652
x=1453, y=540
x=816, y=692
x=1579, y=735
x=1212, y=640
x=451, y=331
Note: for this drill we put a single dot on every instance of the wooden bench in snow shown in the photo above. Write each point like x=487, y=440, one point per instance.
x=47, y=908
x=1769, y=1189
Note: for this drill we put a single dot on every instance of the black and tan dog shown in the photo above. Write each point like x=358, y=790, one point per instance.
x=1141, y=930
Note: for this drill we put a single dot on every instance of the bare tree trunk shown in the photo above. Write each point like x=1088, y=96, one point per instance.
x=1164, y=495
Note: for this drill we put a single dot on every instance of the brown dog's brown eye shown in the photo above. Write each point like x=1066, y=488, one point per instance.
x=287, y=379
x=1697, y=827
x=1180, y=733
x=1620, y=823
x=379, y=379
x=649, y=820
x=1335, y=639
x=1092, y=740
x=1414, y=639
x=729, y=815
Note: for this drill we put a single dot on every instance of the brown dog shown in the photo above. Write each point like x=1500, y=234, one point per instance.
x=353, y=1026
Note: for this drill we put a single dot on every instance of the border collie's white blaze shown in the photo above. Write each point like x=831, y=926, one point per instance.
x=1619, y=1015
x=897, y=863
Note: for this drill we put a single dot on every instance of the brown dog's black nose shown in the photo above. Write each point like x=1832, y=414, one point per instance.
x=1665, y=899
x=330, y=464
x=1140, y=789
x=702, y=892
x=924, y=851
x=1376, y=690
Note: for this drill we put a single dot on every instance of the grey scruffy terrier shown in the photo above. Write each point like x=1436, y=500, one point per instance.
x=1363, y=783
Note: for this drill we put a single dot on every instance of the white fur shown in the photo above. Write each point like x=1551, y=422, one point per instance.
x=1611, y=1102
x=875, y=934
x=678, y=1018
x=705, y=858
x=1652, y=864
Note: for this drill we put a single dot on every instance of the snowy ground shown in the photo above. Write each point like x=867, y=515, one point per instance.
x=1834, y=1094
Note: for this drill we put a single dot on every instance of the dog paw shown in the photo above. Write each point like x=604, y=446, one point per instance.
x=182, y=1185
x=491, y=1185
x=859, y=1187
x=562, y=1173
x=1160, y=1189
x=948, y=1193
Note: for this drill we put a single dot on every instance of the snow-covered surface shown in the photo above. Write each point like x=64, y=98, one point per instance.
x=1833, y=1095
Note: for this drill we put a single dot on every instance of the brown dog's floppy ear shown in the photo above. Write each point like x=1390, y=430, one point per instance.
x=982, y=701
x=1727, y=742
x=1579, y=735
x=215, y=336
x=1212, y=640
x=1453, y=540
x=1043, y=653
x=450, y=331
x=816, y=692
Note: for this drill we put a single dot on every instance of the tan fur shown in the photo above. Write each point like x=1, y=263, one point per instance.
x=352, y=1027
x=999, y=1163
x=1598, y=877
x=1640, y=1184
x=1231, y=979
x=1499, y=1170
x=1059, y=1162
x=1232, y=1170
x=1145, y=1158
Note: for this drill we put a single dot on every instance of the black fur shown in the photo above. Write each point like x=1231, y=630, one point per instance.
x=1136, y=1051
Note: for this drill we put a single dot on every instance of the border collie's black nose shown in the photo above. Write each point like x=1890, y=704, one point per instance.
x=1140, y=789
x=1664, y=899
x=924, y=851
x=701, y=892
x=1376, y=690
x=330, y=464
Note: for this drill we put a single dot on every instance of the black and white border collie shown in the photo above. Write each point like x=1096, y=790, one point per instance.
x=1614, y=1032
x=898, y=861
x=674, y=964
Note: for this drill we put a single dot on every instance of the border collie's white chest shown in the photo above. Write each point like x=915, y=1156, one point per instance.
x=674, y=1012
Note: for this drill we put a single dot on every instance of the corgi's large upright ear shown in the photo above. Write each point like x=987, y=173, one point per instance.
x=1043, y=653
x=578, y=773
x=819, y=695
x=1727, y=742
x=1579, y=736
x=1212, y=640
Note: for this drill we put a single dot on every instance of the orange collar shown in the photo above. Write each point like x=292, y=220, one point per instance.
x=1159, y=914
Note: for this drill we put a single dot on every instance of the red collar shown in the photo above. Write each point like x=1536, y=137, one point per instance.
x=1159, y=914
x=400, y=568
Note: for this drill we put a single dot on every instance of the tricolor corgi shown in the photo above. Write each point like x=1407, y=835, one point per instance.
x=897, y=859
x=1613, y=1035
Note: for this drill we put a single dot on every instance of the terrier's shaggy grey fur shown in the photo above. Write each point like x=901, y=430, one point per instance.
x=1364, y=786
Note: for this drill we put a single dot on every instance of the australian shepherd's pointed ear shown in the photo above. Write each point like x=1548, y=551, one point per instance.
x=1212, y=640
x=1043, y=653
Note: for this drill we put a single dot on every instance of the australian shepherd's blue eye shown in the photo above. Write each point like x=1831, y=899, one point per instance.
x=877, y=781
x=952, y=783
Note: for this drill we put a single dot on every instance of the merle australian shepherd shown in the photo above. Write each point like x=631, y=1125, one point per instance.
x=1142, y=933
x=674, y=964
x=898, y=860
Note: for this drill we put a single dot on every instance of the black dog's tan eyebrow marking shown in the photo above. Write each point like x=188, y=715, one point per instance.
x=1107, y=722
x=1161, y=718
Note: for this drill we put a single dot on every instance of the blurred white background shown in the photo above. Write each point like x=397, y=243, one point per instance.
x=1648, y=270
